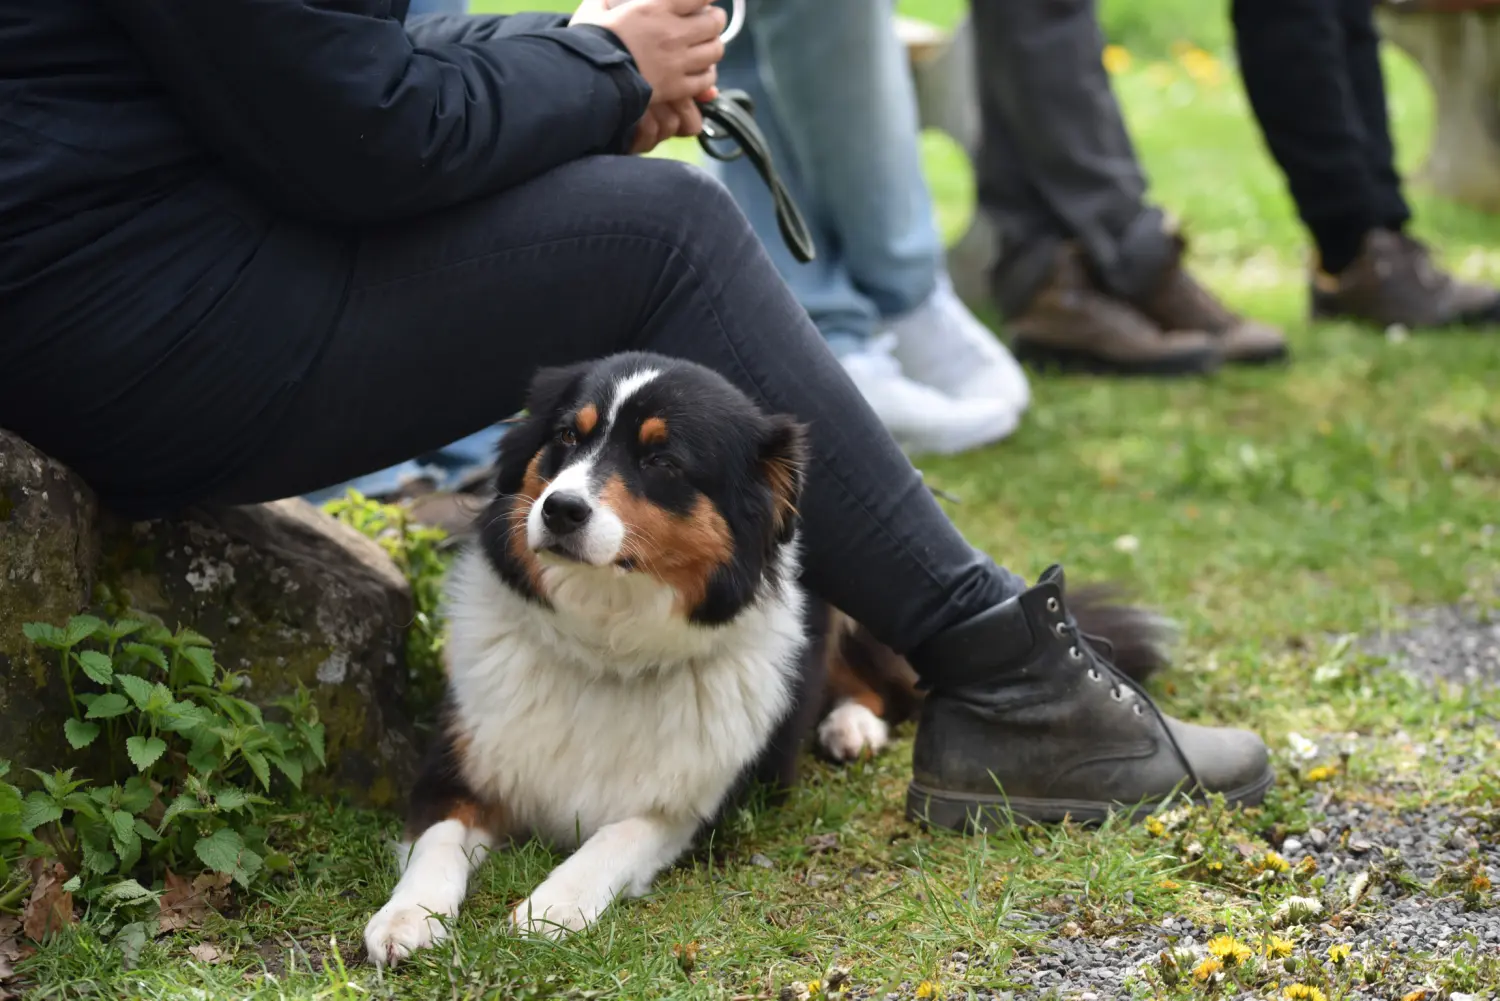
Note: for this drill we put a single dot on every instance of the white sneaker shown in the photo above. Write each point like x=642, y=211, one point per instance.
x=942, y=344
x=921, y=419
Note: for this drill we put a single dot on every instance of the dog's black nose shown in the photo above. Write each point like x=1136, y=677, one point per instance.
x=565, y=513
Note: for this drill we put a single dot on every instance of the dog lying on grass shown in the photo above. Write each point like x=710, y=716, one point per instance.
x=630, y=648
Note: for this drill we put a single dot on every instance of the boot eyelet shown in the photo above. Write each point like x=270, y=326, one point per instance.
x=1075, y=653
x=1061, y=629
x=1137, y=708
x=1095, y=675
x=1053, y=605
x=1117, y=694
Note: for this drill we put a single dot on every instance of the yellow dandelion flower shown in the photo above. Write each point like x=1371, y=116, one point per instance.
x=1117, y=58
x=1161, y=75
x=814, y=986
x=1480, y=883
x=1322, y=773
x=1215, y=867
x=1205, y=970
x=1420, y=994
x=928, y=989
x=1307, y=866
x=1302, y=992
x=1279, y=948
x=1169, y=884
x=1275, y=862
x=1201, y=66
x=1231, y=952
x=1155, y=827
x=1338, y=953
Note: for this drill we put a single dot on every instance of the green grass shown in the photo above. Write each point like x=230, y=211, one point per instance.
x=1272, y=512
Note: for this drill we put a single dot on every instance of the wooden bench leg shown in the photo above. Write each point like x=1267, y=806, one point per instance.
x=1460, y=54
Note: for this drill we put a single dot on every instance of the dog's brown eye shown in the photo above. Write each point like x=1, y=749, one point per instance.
x=661, y=462
x=567, y=437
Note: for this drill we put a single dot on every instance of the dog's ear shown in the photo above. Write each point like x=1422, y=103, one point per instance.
x=783, y=458
x=550, y=390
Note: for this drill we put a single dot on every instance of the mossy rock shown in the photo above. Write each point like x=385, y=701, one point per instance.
x=287, y=594
x=48, y=555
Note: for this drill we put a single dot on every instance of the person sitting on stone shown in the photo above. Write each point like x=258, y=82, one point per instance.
x=252, y=249
x=1088, y=273
x=1312, y=72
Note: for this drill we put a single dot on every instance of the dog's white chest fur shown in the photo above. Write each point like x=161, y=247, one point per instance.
x=610, y=705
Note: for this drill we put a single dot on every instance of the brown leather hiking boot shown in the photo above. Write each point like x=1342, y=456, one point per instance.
x=1075, y=325
x=1393, y=280
x=1180, y=303
x=1028, y=719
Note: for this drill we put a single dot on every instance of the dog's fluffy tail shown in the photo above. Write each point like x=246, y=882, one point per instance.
x=1140, y=638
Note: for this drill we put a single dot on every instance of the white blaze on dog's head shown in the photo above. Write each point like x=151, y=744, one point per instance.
x=650, y=468
x=572, y=521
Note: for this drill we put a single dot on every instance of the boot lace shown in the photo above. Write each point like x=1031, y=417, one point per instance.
x=1098, y=653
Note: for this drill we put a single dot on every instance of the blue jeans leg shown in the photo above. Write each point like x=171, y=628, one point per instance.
x=832, y=77
x=437, y=7
x=843, y=315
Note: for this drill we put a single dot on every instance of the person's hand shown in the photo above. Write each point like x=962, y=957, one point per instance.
x=664, y=121
x=675, y=43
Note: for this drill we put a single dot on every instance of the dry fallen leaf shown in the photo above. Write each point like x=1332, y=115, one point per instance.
x=10, y=943
x=687, y=955
x=186, y=904
x=50, y=908
x=204, y=952
x=12, y=948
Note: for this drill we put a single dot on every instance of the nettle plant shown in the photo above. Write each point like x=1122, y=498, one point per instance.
x=192, y=763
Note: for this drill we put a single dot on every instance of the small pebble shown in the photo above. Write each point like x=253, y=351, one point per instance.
x=1039, y=851
x=1291, y=846
x=762, y=861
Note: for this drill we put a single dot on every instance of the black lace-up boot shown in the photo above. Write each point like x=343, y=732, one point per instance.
x=1027, y=718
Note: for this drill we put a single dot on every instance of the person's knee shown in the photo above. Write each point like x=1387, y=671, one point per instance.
x=649, y=194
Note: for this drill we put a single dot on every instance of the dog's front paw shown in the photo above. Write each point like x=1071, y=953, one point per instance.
x=552, y=912
x=852, y=730
x=399, y=929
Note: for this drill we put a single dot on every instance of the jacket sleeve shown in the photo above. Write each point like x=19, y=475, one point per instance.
x=331, y=110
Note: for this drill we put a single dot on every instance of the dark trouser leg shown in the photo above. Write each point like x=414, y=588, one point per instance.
x=1362, y=48
x=1056, y=158
x=1300, y=81
x=452, y=315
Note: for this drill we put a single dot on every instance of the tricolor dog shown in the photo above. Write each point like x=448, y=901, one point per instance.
x=629, y=647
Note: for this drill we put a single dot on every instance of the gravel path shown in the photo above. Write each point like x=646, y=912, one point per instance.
x=1411, y=932
x=1455, y=643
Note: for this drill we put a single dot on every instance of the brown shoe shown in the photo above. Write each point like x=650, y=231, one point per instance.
x=1180, y=303
x=1393, y=280
x=1075, y=325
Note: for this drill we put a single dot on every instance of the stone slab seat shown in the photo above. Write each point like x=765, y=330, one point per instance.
x=285, y=592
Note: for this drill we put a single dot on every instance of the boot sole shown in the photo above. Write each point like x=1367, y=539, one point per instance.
x=984, y=814
x=1482, y=320
x=1272, y=356
x=1067, y=360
